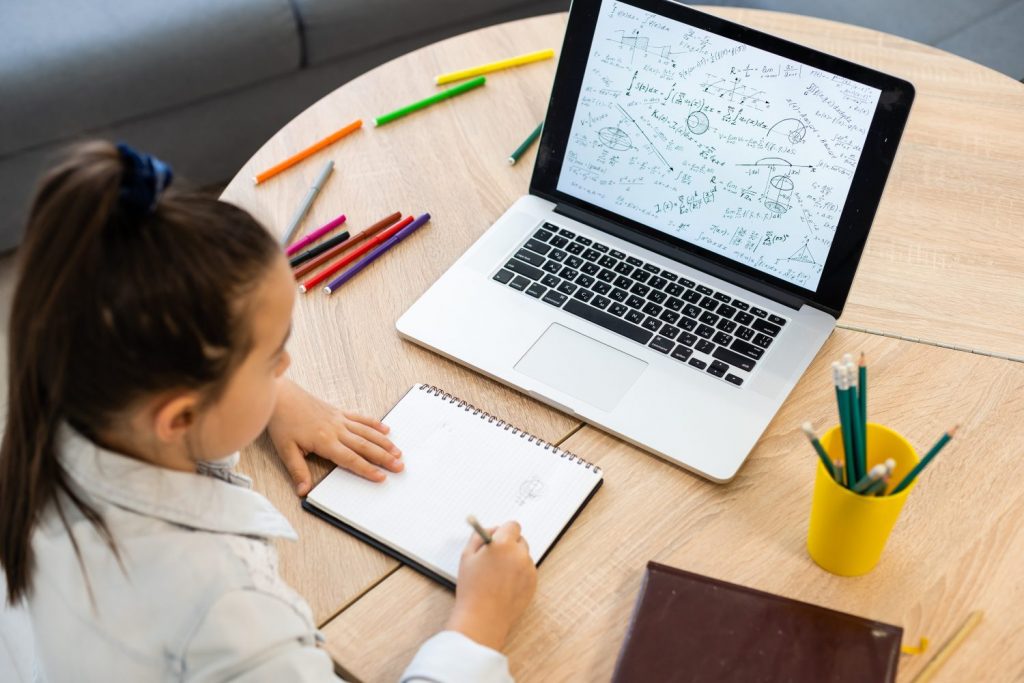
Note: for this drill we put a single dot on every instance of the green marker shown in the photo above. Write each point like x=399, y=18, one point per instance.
x=925, y=460
x=433, y=99
x=514, y=157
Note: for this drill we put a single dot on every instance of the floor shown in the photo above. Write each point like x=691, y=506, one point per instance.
x=15, y=631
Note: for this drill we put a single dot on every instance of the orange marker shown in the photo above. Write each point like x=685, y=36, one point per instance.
x=309, y=151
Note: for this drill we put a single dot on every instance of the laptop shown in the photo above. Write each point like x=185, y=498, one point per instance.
x=700, y=201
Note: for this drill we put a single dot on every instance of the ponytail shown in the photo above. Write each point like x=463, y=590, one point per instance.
x=118, y=297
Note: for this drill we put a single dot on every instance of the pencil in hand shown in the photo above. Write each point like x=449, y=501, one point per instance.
x=473, y=522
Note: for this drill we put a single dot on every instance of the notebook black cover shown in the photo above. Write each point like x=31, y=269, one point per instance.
x=688, y=627
x=406, y=560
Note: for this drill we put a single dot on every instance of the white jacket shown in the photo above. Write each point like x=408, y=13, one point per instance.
x=196, y=595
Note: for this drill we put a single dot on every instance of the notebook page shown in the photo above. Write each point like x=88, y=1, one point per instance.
x=457, y=464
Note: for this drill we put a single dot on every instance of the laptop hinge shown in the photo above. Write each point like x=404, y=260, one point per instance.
x=669, y=251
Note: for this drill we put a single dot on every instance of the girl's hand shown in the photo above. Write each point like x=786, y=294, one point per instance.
x=303, y=424
x=496, y=582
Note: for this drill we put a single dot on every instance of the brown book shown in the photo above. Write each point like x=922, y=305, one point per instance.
x=688, y=627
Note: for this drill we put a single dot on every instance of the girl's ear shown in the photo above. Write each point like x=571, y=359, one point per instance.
x=175, y=416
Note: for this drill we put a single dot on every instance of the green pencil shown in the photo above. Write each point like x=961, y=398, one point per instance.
x=825, y=460
x=862, y=394
x=844, y=422
x=857, y=429
x=433, y=99
x=869, y=479
x=514, y=157
x=876, y=488
x=925, y=460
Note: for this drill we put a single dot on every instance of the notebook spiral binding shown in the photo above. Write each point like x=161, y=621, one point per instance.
x=491, y=419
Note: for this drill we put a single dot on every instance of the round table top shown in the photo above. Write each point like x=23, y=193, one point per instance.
x=942, y=241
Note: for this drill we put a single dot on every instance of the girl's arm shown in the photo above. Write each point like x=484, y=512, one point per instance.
x=303, y=424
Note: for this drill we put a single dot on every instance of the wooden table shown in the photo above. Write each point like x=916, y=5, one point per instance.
x=944, y=240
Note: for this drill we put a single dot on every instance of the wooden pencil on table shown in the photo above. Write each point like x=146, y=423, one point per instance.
x=947, y=650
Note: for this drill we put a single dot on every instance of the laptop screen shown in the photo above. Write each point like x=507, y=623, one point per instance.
x=736, y=150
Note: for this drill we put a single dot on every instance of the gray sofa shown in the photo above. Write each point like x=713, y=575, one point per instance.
x=204, y=82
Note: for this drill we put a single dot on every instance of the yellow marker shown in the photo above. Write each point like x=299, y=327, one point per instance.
x=918, y=649
x=495, y=66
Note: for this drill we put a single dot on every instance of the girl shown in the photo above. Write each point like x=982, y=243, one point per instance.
x=147, y=346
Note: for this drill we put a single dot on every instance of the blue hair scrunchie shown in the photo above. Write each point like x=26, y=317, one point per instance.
x=145, y=178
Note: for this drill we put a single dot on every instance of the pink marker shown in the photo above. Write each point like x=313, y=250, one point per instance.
x=314, y=236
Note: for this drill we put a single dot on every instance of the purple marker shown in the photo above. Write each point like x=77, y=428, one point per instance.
x=369, y=258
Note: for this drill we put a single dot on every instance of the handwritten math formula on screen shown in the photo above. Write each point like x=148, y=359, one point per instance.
x=736, y=150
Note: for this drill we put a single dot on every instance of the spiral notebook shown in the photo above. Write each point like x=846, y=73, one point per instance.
x=459, y=461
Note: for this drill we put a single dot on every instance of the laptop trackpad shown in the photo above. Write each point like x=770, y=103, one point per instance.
x=581, y=367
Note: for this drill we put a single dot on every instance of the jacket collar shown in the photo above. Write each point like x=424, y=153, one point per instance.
x=212, y=499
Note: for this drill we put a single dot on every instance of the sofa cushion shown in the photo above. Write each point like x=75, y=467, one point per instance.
x=997, y=41
x=71, y=65
x=926, y=21
x=334, y=28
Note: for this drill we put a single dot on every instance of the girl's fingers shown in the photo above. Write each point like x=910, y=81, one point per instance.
x=348, y=459
x=474, y=544
x=370, y=451
x=376, y=437
x=295, y=462
x=509, y=531
x=367, y=420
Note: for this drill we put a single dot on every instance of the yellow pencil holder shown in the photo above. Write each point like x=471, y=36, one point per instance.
x=848, y=531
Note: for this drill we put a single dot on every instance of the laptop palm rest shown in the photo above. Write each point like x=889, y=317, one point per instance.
x=582, y=367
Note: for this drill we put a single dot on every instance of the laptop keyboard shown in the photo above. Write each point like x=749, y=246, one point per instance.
x=707, y=330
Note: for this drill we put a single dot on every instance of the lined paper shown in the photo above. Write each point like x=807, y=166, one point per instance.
x=458, y=463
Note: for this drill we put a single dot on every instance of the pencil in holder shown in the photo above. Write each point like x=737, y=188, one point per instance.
x=848, y=531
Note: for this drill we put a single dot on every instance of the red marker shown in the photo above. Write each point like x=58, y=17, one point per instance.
x=376, y=241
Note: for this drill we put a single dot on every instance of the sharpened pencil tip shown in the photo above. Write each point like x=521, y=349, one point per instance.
x=952, y=432
x=863, y=360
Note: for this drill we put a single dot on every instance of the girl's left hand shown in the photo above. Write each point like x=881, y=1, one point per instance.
x=303, y=424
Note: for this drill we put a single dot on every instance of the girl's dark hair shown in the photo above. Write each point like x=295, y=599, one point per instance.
x=112, y=304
